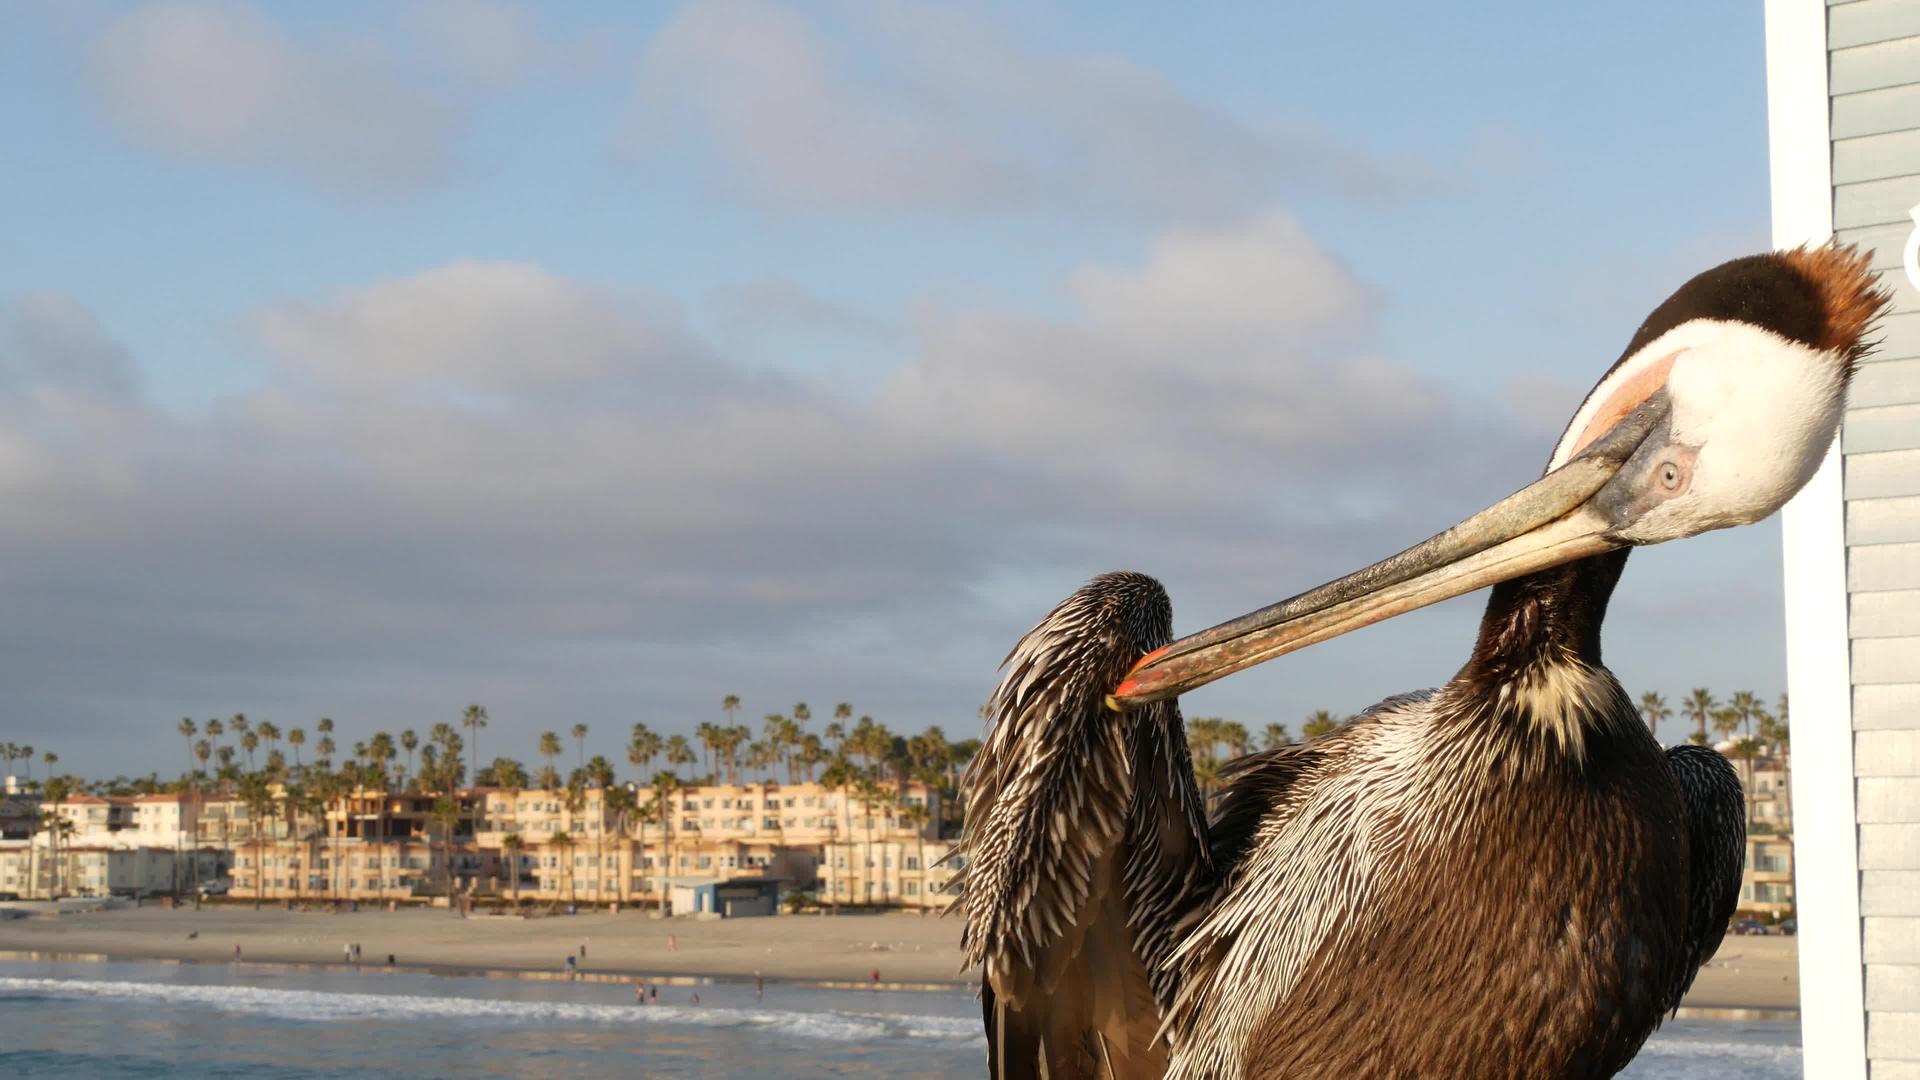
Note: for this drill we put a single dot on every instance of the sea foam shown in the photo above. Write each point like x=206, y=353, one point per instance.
x=318, y=1006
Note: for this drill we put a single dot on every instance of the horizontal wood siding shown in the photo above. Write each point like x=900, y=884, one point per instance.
x=1890, y=847
x=1870, y=21
x=1875, y=67
x=1895, y=705
x=1874, y=111
x=1893, y=613
x=1886, y=753
x=1892, y=1036
x=1888, y=382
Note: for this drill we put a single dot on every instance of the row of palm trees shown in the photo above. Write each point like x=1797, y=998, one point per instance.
x=869, y=763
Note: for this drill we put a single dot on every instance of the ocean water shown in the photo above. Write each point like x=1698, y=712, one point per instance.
x=275, y=1022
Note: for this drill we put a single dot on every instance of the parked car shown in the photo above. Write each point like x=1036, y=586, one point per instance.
x=6, y=896
x=1750, y=926
x=215, y=888
x=1789, y=927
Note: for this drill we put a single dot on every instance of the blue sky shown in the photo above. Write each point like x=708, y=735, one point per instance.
x=368, y=359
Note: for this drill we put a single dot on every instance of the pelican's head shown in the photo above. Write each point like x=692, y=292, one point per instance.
x=1722, y=406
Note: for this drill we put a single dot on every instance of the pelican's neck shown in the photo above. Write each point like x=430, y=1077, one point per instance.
x=1544, y=622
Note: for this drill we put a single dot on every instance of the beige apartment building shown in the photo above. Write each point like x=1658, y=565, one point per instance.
x=385, y=846
x=771, y=830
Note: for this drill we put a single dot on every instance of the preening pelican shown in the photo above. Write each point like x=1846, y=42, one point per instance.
x=1502, y=877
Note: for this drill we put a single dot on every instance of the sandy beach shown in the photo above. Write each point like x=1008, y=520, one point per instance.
x=907, y=949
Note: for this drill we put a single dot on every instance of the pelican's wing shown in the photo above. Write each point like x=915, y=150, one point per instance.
x=1049, y=863
x=1717, y=850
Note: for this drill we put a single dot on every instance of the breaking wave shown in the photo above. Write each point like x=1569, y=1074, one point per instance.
x=839, y=1026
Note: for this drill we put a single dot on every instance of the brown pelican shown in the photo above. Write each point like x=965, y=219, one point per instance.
x=1505, y=876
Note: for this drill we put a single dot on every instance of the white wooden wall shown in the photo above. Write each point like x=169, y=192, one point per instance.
x=1846, y=161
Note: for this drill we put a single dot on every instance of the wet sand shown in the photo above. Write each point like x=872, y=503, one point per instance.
x=1748, y=972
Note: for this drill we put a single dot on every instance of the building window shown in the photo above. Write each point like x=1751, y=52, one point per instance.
x=912, y=888
x=912, y=862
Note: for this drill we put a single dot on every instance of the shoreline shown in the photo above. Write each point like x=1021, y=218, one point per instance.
x=475, y=971
x=1751, y=978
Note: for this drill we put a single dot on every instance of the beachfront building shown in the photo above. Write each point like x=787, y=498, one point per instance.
x=1843, y=102
x=574, y=850
x=1766, y=884
x=153, y=835
x=893, y=872
x=39, y=870
x=19, y=816
x=362, y=845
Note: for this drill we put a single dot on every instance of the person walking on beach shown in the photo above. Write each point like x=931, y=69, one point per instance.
x=346, y=953
x=639, y=992
x=389, y=961
x=583, y=950
x=653, y=993
x=759, y=986
x=876, y=979
x=236, y=954
x=573, y=967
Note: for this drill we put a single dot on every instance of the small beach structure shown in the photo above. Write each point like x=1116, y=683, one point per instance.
x=730, y=898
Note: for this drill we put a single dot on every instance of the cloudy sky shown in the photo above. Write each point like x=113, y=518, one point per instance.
x=372, y=359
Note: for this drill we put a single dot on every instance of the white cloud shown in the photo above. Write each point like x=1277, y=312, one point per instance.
x=486, y=326
x=940, y=111
x=487, y=479
x=215, y=80
x=493, y=44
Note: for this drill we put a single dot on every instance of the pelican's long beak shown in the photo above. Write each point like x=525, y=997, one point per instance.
x=1549, y=522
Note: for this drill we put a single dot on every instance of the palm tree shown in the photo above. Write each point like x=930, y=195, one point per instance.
x=680, y=752
x=709, y=736
x=1725, y=722
x=409, y=741
x=380, y=751
x=446, y=813
x=599, y=775
x=1698, y=707
x=869, y=793
x=839, y=774
x=730, y=705
x=1320, y=723
x=186, y=729
x=580, y=741
x=1275, y=736
x=257, y=796
x=549, y=749
x=1654, y=708
x=1747, y=704
x=643, y=748
x=666, y=788
x=565, y=843
x=1206, y=774
x=296, y=738
x=512, y=844
x=620, y=801
x=473, y=719
x=917, y=814
x=57, y=790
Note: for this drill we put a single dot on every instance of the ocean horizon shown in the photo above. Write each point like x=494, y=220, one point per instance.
x=67, y=1018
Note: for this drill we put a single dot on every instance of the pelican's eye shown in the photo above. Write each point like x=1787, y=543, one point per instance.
x=1670, y=476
